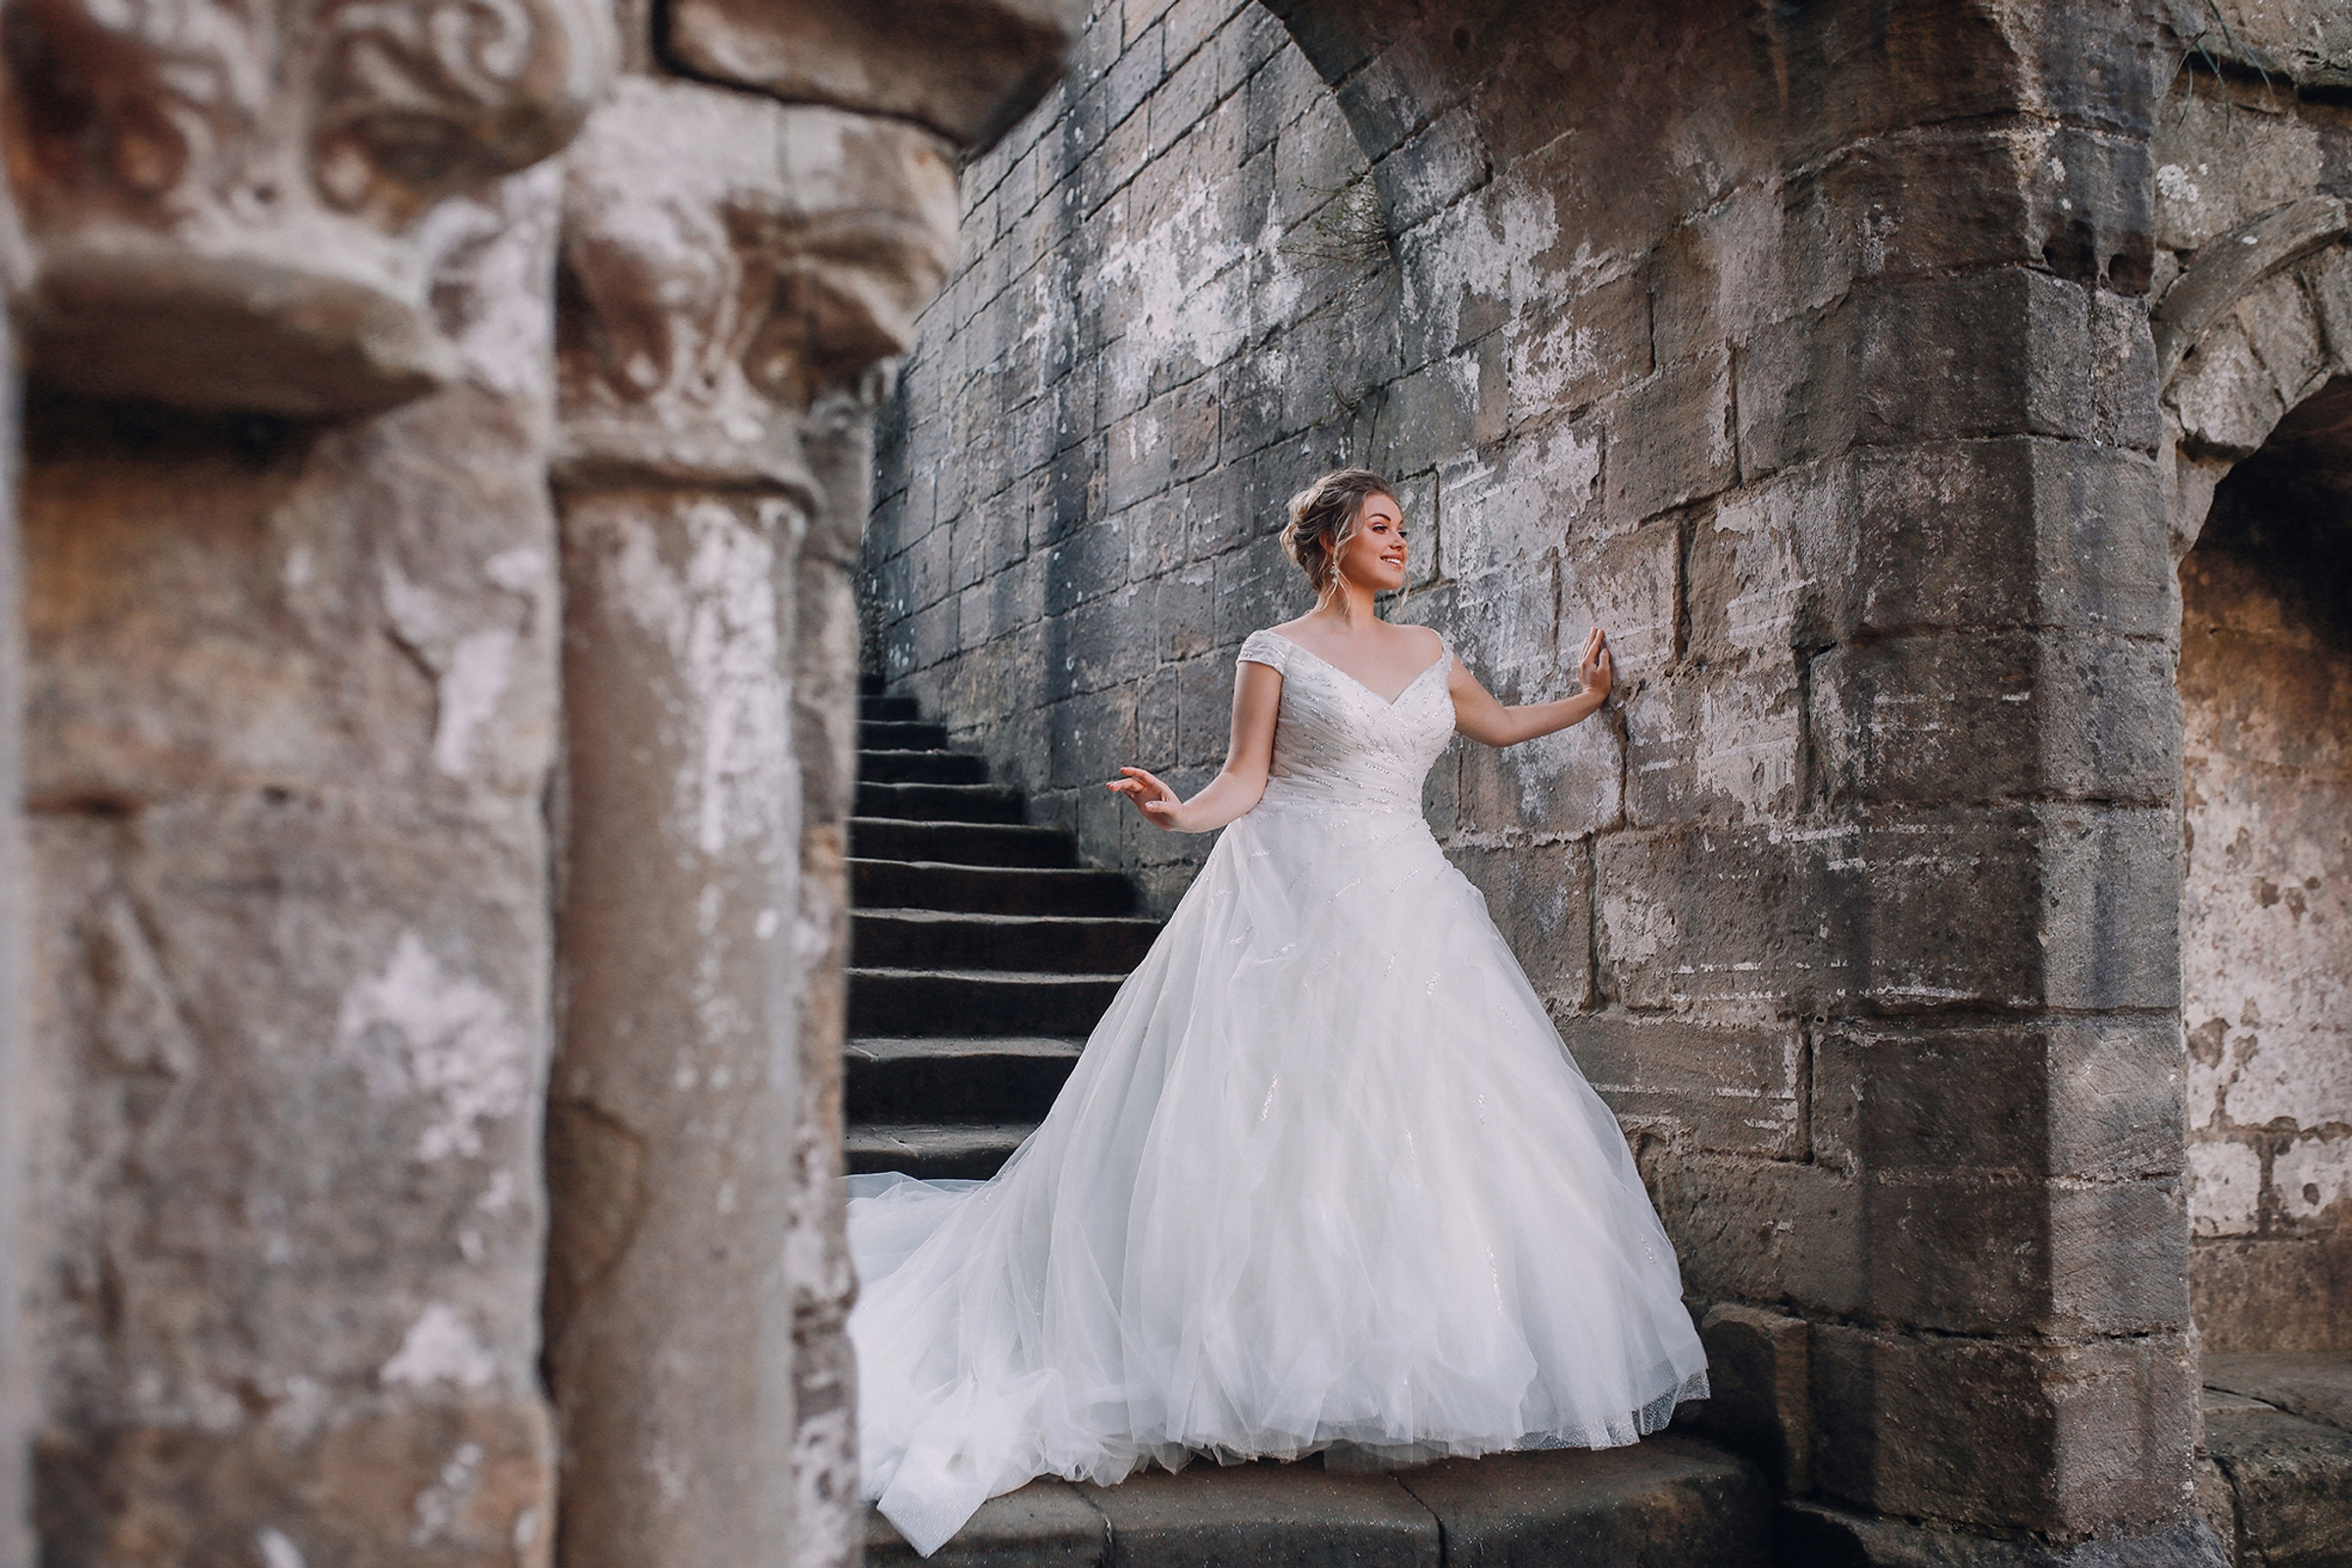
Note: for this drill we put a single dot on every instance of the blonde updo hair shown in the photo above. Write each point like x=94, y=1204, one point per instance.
x=1323, y=518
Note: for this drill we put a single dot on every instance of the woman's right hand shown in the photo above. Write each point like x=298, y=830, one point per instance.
x=1154, y=800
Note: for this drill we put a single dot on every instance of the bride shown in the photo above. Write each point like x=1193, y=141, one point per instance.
x=1324, y=1179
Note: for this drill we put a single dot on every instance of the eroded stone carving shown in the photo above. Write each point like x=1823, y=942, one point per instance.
x=230, y=204
x=726, y=259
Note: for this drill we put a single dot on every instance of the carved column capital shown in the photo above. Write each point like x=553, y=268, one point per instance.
x=726, y=259
x=233, y=204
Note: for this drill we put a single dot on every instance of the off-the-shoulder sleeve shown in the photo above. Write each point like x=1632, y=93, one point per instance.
x=1264, y=648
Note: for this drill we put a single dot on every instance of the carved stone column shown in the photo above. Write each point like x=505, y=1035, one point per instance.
x=726, y=262
x=291, y=714
x=18, y=1087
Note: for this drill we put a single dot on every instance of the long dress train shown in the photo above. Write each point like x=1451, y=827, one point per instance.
x=1323, y=1178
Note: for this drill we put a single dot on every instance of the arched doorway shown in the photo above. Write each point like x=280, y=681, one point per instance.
x=2266, y=692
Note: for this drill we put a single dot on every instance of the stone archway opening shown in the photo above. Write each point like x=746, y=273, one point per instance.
x=2266, y=692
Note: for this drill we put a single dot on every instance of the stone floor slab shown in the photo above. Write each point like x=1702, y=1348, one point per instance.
x=1670, y=1503
x=2291, y=1482
x=1045, y=1524
x=2316, y=1385
x=1265, y=1515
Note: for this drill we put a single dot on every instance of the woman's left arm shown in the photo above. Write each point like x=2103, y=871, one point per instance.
x=1477, y=714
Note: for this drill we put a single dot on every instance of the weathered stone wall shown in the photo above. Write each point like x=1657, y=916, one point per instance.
x=2255, y=316
x=1809, y=353
x=1166, y=314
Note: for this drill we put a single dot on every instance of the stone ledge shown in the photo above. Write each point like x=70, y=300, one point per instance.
x=1673, y=1499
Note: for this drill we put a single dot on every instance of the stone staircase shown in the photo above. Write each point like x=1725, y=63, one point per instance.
x=982, y=956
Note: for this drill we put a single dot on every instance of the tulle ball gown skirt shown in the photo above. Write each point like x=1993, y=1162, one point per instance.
x=1324, y=1178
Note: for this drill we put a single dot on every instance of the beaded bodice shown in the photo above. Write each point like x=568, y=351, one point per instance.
x=1335, y=741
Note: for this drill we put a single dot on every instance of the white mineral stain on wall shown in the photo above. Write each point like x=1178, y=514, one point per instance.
x=480, y=664
x=717, y=614
x=418, y=1030
x=440, y=1349
x=277, y=1551
x=1186, y=297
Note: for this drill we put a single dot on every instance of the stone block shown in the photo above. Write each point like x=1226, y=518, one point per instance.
x=1811, y=1531
x=464, y=1485
x=1563, y=356
x=1717, y=916
x=1088, y=563
x=1104, y=642
x=1089, y=737
x=1672, y=1500
x=2005, y=1434
x=1715, y=740
x=1762, y=1230
x=1239, y=1516
x=2291, y=1480
x=2018, y=532
x=1719, y=277
x=1134, y=77
x=1760, y=1399
x=1970, y=716
x=1186, y=96
x=1988, y=354
x=1045, y=1524
x=2314, y=1385
x=1967, y=1252
x=968, y=68
x=1506, y=504
x=1256, y=587
x=1203, y=710
x=2271, y=1292
x=1716, y=1087
x=1918, y=203
x=1540, y=896
x=1671, y=440
x=1443, y=162
x=2088, y=1099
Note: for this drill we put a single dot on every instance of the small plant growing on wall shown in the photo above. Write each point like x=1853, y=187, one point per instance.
x=1348, y=234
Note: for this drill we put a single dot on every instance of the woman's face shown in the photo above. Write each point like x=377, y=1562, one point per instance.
x=1374, y=557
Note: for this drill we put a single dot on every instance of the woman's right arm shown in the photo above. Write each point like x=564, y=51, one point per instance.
x=1248, y=757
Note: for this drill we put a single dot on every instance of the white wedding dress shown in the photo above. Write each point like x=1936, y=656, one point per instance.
x=1324, y=1178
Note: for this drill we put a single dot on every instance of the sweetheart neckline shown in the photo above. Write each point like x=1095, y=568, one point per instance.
x=1445, y=654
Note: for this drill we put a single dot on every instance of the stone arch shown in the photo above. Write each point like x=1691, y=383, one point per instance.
x=2260, y=322
x=2254, y=343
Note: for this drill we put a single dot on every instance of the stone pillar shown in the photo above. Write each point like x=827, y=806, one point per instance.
x=291, y=711
x=729, y=262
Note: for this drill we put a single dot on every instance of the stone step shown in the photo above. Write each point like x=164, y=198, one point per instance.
x=958, y=1079
x=940, y=938
x=2274, y=1468
x=872, y=705
x=886, y=838
x=871, y=684
x=987, y=889
x=899, y=735
x=922, y=768
x=940, y=803
x=940, y=1002
x=935, y=1153
x=1672, y=1502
